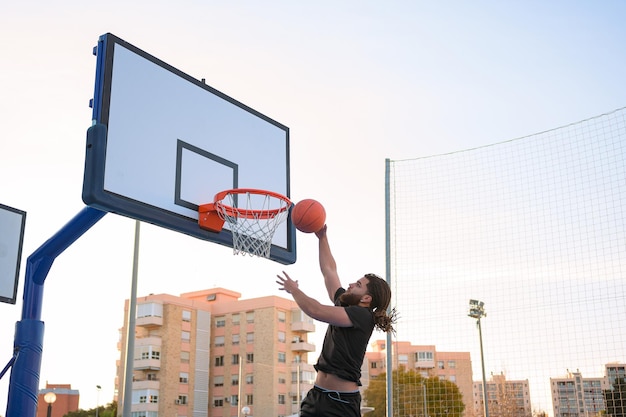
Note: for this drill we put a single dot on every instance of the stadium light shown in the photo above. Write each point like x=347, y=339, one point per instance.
x=477, y=311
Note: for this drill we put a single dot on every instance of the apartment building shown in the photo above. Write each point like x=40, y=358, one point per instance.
x=505, y=398
x=210, y=353
x=615, y=395
x=455, y=367
x=573, y=395
x=576, y=396
x=613, y=371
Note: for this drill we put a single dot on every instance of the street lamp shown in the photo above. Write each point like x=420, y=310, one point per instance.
x=50, y=397
x=245, y=410
x=477, y=311
x=98, y=387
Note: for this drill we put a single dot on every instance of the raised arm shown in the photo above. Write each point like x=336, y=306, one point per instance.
x=336, y=316
x=328, y=265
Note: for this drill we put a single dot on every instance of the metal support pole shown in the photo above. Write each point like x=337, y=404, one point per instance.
x=389, y=341
x=130, y=329
x=482, y=361
x=24, y=382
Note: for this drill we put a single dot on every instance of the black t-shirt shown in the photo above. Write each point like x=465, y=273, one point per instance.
x=344, y=348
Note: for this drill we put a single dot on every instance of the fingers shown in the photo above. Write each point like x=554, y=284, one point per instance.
x=286, y=283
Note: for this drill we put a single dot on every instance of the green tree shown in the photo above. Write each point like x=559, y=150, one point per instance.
x=413, y=394
x=110, y=410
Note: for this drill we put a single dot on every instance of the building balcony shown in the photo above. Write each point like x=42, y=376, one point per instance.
x=302, y=347
x=307, y=375
x=146, y=384
x=149, y=321
x=424, y=365
x=306, y=326
x=141, y=407
x=143, y=364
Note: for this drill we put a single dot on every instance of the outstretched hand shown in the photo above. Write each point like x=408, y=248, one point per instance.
x=286, y=283
x=322, y=232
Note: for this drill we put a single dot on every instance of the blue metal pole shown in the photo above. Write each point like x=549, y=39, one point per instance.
x=24, y=382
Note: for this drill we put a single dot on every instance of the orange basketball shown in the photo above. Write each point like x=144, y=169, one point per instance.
x=308, y=216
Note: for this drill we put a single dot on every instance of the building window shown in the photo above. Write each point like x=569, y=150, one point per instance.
x=186, y=315
x=424, y=356
x=220, y=322
x=403, y=359
x=373, y=365
x=235, y=319
x=183, y=377
x=281, y=398
x=282, y=316
x=249, y=357
x=218, y=402
x=250, y=316
x=249, y=337
x=249, y=379
x=281, y=337
x=282, y=357
x=219, y=360
x=149, y=310
x=186, y=336
x=235, y=359
x=283, y=380
x=182, y=399
x=219, y=340
x=234, y=400
x=249, y=399
x=440, y=364
x=149, y=352
x=184, y=357
x=218, y=380
x=234, y=379
x=235, y=339
x=452, y=364
x=152, y=376
x=145, y=396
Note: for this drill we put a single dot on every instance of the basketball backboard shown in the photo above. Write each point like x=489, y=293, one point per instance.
x=12, y=223
x=162, y=143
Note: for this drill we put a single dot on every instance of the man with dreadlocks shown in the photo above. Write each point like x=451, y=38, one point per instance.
x=351, y=321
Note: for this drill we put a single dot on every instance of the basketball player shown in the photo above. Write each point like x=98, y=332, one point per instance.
x=351, y=320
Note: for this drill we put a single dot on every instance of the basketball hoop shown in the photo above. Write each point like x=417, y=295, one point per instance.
x=252, y=216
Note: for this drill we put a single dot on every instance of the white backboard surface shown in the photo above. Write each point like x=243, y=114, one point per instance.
x=172, y=142
x=12, y=222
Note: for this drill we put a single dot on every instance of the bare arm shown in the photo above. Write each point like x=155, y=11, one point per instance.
x=328, y=265
x=336, y=316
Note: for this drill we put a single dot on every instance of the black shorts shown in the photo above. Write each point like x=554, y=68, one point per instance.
x=320, y=402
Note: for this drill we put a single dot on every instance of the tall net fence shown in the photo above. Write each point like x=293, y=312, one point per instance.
x=534, y=228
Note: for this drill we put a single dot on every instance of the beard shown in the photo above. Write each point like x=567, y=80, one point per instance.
x=349, y=299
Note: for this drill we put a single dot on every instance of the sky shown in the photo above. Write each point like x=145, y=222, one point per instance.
x=355, y=81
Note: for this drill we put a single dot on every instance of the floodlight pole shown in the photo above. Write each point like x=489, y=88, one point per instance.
x=28, y=342
x=477, y=311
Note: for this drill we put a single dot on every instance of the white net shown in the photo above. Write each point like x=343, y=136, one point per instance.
x=536, y=229
x=252, y=218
